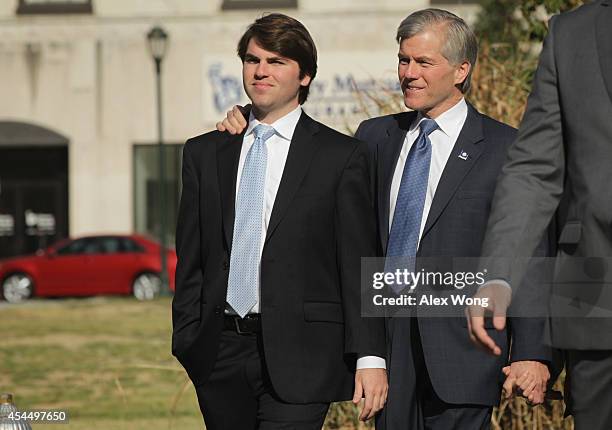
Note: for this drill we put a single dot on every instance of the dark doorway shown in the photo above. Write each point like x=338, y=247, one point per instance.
x=33, y=198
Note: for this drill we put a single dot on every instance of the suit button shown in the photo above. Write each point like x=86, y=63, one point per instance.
x=218, y=310
x=225, y=265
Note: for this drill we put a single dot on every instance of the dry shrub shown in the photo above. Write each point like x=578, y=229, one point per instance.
x=500, y=88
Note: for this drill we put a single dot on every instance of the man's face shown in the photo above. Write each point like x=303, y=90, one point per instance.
x=271, y=81
x=427, y=79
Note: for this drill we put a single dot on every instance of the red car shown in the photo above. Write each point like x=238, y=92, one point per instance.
x=110, y=264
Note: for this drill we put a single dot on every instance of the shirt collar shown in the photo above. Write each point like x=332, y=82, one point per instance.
x=283, y=127
x=449, y=122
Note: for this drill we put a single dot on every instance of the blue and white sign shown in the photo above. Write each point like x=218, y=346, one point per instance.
x=226, y=88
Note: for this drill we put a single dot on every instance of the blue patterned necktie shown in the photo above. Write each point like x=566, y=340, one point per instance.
x=243, y=279
x=406, y=225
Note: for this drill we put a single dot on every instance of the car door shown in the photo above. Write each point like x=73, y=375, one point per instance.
x=65, y=269
x=112, y=267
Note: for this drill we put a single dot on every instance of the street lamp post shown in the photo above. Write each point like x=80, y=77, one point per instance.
x=158, y=42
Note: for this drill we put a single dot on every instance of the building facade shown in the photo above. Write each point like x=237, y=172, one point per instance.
x=78, y=118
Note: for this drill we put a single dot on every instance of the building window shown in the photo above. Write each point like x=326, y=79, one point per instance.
x=146, y=189
x=34, y=7
x=258, y=4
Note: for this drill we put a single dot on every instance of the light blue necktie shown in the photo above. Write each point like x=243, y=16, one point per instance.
x=406, y=225
x=243, y=280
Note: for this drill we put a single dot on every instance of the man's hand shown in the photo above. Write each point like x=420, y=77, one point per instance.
x=498, y=298
x=235, y=122
x=528, y=378
x=371, y=384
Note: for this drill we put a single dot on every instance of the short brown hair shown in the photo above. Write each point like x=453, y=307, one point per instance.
x=288, y=37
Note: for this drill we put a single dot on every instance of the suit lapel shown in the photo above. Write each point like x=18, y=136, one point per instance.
x=389, y=155
x=302, y=148
x=469, y=141
x=228, y=154
x=604, y=43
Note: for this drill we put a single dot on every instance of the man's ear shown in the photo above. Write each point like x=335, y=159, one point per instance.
x=305, y=81
x=462, y=72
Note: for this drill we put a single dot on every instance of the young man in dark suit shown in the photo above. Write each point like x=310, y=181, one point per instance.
x=271, y=229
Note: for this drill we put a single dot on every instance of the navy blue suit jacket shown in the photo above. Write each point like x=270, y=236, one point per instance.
x=455, y=227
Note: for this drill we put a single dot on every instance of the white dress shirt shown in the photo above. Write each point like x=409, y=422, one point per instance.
x=278, y=148
x=443, y=140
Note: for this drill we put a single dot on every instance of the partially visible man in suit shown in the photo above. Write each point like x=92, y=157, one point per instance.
x=436, y=172
x=271, y=230
x=560, y=164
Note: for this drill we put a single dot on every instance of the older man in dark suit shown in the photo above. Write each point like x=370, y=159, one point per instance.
x=437, y=168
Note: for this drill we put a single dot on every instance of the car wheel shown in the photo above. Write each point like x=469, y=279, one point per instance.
x=146, y=286
x=17, y=288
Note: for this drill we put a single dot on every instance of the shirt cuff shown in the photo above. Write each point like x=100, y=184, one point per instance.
x=371, y=362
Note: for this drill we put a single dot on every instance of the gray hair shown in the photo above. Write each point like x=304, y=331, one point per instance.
x=460, y=44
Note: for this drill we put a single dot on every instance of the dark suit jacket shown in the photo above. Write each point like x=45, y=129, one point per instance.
x=455, y=227
x=321, y=225
x=561, y=161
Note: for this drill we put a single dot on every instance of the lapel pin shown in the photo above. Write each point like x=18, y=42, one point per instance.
x=463, y=155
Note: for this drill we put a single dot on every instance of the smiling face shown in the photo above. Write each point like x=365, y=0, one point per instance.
x=428, y=80
x=271, y=81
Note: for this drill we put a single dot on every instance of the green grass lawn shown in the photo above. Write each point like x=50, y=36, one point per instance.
x=106, y=361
